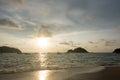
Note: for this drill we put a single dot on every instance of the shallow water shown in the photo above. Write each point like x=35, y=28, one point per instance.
x=12, y=62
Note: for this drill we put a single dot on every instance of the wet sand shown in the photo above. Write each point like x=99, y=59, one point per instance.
x=109, y=73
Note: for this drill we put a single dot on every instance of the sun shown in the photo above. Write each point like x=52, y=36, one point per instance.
x=42, y=42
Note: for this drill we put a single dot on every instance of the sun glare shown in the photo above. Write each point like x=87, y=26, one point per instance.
x=42, y=42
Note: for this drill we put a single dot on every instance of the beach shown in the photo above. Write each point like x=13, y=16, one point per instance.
x=109, y=73
x=59, y=40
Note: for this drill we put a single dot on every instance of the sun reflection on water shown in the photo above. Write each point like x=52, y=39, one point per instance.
x=43, y=75
x=43, y=60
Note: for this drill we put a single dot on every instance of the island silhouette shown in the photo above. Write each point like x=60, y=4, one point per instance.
x=116, y=50
x=77, y=50
x=6, y=49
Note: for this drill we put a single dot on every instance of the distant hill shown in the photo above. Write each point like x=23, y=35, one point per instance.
x=6, y=49
x=116, y=50
x=77, y=50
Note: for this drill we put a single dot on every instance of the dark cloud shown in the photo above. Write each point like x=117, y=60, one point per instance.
x=65, y=43
x=108, y=42
x=102, y=8
x=70, y=43
x=106, y=9
x=105, y=42
x=111, y=43
x=91, y=42
x=102, y=13
x=8, y=24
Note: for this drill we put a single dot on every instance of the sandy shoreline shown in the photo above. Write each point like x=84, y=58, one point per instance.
x=109, y=73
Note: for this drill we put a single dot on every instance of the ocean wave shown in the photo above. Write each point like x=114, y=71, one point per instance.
x=11, y=63
x=35, y=67
x=27, y=68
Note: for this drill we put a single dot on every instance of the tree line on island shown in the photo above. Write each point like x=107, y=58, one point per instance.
x=6, y=49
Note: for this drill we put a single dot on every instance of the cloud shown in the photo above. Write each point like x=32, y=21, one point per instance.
x=14, y=1
x=76, y=14
x=117, y=29
x=50, y=30
x=42, y=31
x=8, y=24
x=105, y=42
x=8, y=39
x=97, y=14
x=108, y=42
x=70, y=43
x=18, y=1
x=111, y=43
x=71, y=15
x=97, y=8
x=65, y=43
x=91, y=42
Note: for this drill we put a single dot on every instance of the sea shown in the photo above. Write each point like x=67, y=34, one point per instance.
x=87, y=62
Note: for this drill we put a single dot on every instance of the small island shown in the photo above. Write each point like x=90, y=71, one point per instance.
x=77, y=50
x=6, y=49
x=116, y=50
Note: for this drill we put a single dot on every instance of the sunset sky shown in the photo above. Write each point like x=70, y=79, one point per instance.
x=67, y=24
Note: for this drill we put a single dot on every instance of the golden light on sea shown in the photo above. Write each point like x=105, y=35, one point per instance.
x=43, y=75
